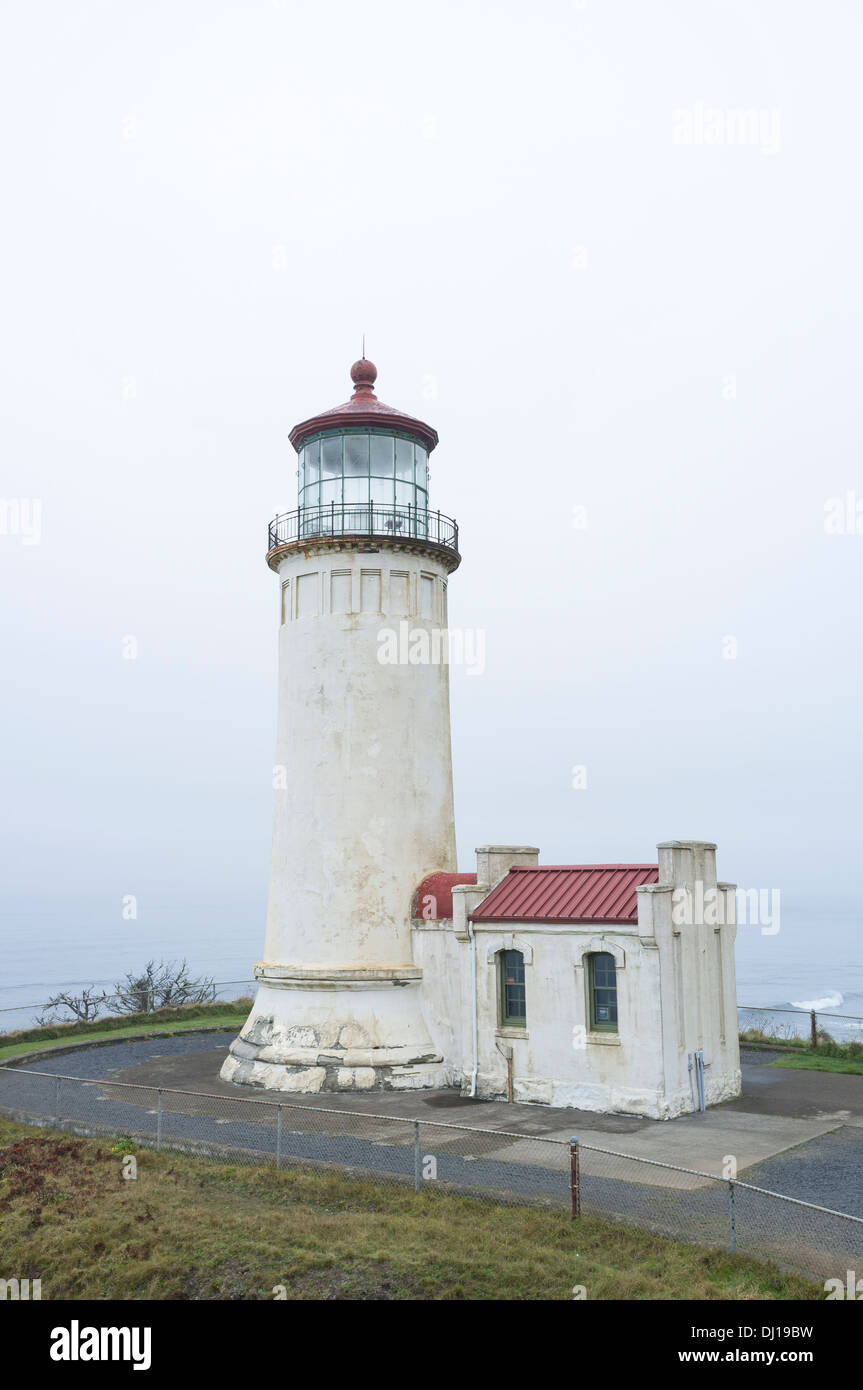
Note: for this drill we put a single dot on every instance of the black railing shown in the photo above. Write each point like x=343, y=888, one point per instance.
x=364, y=519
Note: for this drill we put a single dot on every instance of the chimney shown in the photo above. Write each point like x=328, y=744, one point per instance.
x=687, y=861
x=494, y=861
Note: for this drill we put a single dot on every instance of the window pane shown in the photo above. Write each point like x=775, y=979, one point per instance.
x=312, y=462
x=382, y=491
x=331, y=492
x=422, y=467
x=310, y=495
x=356, y=489
x=382, y=455
x=331, y=458
x=356, y=455
x=404, y=494
x=405, y=459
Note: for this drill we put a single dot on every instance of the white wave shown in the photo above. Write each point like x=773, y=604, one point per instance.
x=827, y=1001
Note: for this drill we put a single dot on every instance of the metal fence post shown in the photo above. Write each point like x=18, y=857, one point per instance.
x=732, y=1228
x=417, y=1161
x=159, y=1123
x=278, y=1136
x=574, y=1182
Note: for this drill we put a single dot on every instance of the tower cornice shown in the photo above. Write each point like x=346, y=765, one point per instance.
x=311, y=546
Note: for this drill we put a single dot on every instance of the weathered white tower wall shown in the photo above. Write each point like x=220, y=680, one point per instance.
x=365, y=746
x=363, y=810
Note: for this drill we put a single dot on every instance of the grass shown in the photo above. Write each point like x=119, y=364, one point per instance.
x=228, y=1014
x=188, y=1228
x=762, y=1039
x=829, y=1055
x=819, y=1061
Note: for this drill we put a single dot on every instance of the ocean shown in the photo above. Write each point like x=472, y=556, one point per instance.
x=803, y=967
x=35, y=964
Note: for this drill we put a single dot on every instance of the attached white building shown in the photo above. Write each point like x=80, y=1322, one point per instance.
x=583, y=985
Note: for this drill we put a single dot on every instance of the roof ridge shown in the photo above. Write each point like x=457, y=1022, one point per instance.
x=572, y=868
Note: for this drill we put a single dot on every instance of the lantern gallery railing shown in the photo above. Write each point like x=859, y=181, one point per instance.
x=364, y=519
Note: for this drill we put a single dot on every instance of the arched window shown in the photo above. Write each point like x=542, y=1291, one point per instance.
x=602, y=991
x=513, y=1011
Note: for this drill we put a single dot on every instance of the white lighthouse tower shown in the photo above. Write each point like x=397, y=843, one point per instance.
x=363, y=776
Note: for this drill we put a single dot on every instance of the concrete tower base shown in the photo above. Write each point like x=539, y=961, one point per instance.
x=326, y=1029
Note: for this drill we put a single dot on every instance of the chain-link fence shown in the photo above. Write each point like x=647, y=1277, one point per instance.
x=501, y=1166
x=431, y=1155
x=724, y=1213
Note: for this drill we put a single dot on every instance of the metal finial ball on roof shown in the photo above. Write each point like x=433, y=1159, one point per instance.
x=364, y=373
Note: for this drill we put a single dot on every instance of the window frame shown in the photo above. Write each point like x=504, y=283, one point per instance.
x=598, y=1025
x=505, y=1018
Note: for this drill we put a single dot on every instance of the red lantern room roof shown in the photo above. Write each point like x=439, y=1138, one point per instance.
x=364, y=408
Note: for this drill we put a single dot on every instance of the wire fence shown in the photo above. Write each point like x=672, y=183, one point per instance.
x=498, y=1166
x=813, y=1027
x=792, y=1025
x=215, y=991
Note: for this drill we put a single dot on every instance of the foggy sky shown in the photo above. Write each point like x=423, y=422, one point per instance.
x=208, y=204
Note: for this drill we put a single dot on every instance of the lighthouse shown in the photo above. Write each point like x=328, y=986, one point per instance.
x=363, y=800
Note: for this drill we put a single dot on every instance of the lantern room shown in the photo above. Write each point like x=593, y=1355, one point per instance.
x=363, y=468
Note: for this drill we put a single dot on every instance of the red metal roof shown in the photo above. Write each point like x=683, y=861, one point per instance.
x=434, y=896
x=567, y=893
x=364, y=408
